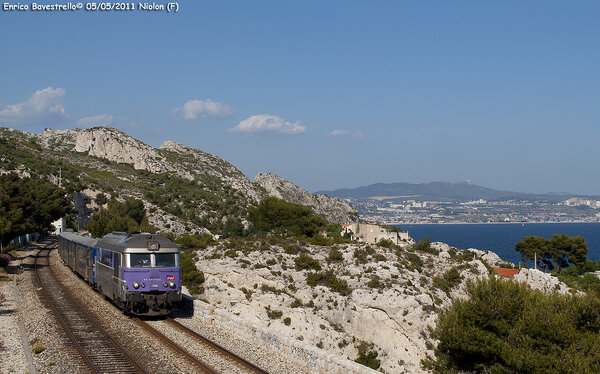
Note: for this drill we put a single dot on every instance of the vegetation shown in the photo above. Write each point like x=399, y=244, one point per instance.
x=561, y=250
x=28, y=205
x=273, y=314
x=448, y=280
x=129, y=216
x=335, y=255
x=368, y=356
x=328, y=279
x=305, y=262
x=4, y=260
x=280, y=216
x=191, y=277
x=196, y=241
x=505, y=327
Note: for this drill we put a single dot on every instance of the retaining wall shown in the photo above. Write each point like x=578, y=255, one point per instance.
x=316, y=359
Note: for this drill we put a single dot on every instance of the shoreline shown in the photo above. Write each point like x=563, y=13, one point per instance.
x=488, y=223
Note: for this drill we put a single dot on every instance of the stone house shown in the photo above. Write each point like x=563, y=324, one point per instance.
x=371, y=233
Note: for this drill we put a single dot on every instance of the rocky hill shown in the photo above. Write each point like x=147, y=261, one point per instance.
x=350, y=295
x=334, y=210
x=184, y=189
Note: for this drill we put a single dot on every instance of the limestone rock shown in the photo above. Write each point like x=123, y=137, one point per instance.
x=333, y=209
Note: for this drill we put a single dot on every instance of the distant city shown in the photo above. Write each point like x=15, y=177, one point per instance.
x=395, y=211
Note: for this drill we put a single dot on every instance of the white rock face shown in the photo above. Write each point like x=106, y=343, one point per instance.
x=539, y=280
x=393, y=314
x=197, y=162
x=333, y=209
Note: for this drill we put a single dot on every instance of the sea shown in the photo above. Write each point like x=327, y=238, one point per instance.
x=501, y=238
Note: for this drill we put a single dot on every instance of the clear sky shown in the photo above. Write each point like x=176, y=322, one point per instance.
x=328, y=94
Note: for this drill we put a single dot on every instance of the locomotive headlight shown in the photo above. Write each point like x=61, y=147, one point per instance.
x=165, y=284
x=136, y=285
x=143, y=285
x=172, y=284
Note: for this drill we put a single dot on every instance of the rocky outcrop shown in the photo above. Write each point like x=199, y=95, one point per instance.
x=539, y=280
x=111, y=144
x=196, y=162
x=390, y=302
x=333, y=209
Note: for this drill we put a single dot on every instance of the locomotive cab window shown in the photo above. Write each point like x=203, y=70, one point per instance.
x=164, y=259
x=139, y=260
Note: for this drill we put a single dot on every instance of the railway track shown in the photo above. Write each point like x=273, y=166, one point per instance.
x=223, y=353
x=98, y=349
x=216, y=347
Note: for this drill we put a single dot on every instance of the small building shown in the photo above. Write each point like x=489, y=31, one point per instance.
x=59, y=225
x=371, y=234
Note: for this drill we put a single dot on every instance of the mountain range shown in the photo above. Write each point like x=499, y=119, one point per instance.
x=440, y=191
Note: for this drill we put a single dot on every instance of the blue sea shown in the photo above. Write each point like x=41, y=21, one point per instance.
x=501, y=238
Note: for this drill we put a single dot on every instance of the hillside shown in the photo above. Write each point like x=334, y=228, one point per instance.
x=183, y=189
x=439, y=191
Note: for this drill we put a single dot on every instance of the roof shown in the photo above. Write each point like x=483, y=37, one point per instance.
x=504, y=272
x=83, y=240
x=122, y=241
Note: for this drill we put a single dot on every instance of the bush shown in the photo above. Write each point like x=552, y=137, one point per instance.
x=274, y=214
x=386, y=243
x=424, y=245
x=191, y=277
x=273, y=314
x=374, y=283
x=328, y=279
x=4, y=259
x=335, y=255
x=305, y=262
x=368, y=356
x=197, y=241
x=287, y=321
x=449, y=280
x=505, y=327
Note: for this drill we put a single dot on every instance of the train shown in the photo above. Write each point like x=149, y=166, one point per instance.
x=139, y=272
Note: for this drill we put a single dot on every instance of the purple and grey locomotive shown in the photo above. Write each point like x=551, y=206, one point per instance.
x=139, y=272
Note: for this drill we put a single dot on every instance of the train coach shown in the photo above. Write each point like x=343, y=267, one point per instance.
x=139, y=272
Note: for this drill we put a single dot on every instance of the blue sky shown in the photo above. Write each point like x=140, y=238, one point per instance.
x=328, y=94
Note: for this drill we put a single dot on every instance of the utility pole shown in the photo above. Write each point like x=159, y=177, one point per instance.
x=60, y=177
x=535, y=260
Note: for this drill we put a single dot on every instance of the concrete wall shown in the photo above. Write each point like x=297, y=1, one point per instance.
x=316, y=359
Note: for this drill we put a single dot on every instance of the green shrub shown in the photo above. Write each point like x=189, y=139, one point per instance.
x=374, y=283
x=287, y=321
x=368, y=356
x=328, y=279
x=191, y=277
x=273, y=314
x=424, y=245
x=335, y=255
x=505, y=327
x=446, y=282
x=305, y=262
x=274, y=214
x=196, y=241
x=386, y=243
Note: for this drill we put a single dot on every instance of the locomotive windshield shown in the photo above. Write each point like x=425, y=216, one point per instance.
x=140, y=260
x=165, y=259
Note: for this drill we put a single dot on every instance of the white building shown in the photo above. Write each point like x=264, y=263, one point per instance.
x=370, y=233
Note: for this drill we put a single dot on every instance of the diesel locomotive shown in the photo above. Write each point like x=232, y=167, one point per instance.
x=139, y=272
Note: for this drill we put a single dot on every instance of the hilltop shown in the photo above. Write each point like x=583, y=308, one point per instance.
x=183, y=189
